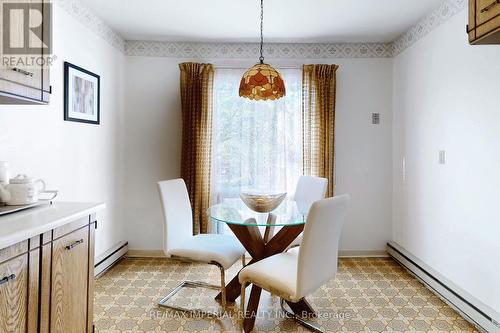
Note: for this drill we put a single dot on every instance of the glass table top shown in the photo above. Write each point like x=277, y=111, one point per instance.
x=235, y=211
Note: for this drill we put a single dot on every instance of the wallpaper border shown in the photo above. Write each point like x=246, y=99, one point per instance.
x=84, y=15
x=446, y=10
x=251, y=50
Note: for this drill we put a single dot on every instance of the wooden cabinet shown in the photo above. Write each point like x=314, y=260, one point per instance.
x=19, y=276
x=70, y=282
x=484, y=22
x=46, y=282
x=14, y=294
x=24, y=71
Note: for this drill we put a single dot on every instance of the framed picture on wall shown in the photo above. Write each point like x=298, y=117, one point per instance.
x=81, y=95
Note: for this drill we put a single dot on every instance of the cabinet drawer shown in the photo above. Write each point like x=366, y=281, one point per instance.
x=486, y=10
x=13, y=93
x=70, y=265
x=24, y=77
x=488, y=28
x=70, y=227
x=13, y=251
x=14, y=295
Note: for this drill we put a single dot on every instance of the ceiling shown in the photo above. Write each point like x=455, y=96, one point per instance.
x=303, y=21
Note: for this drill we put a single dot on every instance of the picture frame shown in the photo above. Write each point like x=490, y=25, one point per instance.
x=81, y=95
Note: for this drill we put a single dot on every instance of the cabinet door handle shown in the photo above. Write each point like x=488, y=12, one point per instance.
x=491, y=5
x=7, y=279
x=22, y=71
x=71, y=246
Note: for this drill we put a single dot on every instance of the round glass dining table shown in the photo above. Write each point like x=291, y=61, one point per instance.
x=235, y=211
x=245, y=223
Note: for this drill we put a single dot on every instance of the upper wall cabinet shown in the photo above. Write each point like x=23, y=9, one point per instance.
x=25, y=50
x=484, y=22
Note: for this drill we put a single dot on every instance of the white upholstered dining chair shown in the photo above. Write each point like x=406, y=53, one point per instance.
x=179, y=242
x=309, y=189
x=295, y=274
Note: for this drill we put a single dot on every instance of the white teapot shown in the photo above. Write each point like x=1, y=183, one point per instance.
x=21, y=190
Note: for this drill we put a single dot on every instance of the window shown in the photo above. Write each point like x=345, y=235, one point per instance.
x=257, y=145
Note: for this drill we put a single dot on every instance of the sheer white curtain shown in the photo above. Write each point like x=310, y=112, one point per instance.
x=257, y=145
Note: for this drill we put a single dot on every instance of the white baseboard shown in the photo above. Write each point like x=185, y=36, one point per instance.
x=342, y=254
x=106, y=260
x=363, y=254
x=473, y=310
x=146, y=254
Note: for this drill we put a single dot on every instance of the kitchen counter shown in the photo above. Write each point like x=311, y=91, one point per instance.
x=19, y=226
x=47, y=265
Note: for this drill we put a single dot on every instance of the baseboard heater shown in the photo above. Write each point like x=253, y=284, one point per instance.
x=476, y=312
x=106, y=260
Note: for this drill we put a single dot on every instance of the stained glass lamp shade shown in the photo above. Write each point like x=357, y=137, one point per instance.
x=262, y=82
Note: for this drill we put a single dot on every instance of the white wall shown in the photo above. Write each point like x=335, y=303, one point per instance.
x=82, y=161
x=446, y=97
x=364, y=152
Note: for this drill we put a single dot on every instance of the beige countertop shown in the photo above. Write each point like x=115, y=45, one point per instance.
x=28, y=223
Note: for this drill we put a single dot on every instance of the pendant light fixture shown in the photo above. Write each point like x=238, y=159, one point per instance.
x=262, y=81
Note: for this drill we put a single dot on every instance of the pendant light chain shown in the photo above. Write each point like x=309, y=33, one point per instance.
x=261, y=31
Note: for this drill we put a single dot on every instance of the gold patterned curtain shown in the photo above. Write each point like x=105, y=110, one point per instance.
x=196, y=99
x=318, y=121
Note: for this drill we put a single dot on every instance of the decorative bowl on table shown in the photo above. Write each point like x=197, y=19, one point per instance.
x=262, y=203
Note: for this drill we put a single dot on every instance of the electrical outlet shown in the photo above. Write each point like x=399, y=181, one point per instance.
x=442, y=157
x=375, y=118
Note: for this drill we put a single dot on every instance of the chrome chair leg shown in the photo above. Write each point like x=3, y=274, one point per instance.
x=191, y=284
x=242, y=299
x=299, y=319
x=188, y=284
x=222, y=287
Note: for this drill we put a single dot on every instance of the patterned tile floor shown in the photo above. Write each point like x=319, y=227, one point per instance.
x=368, y=295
